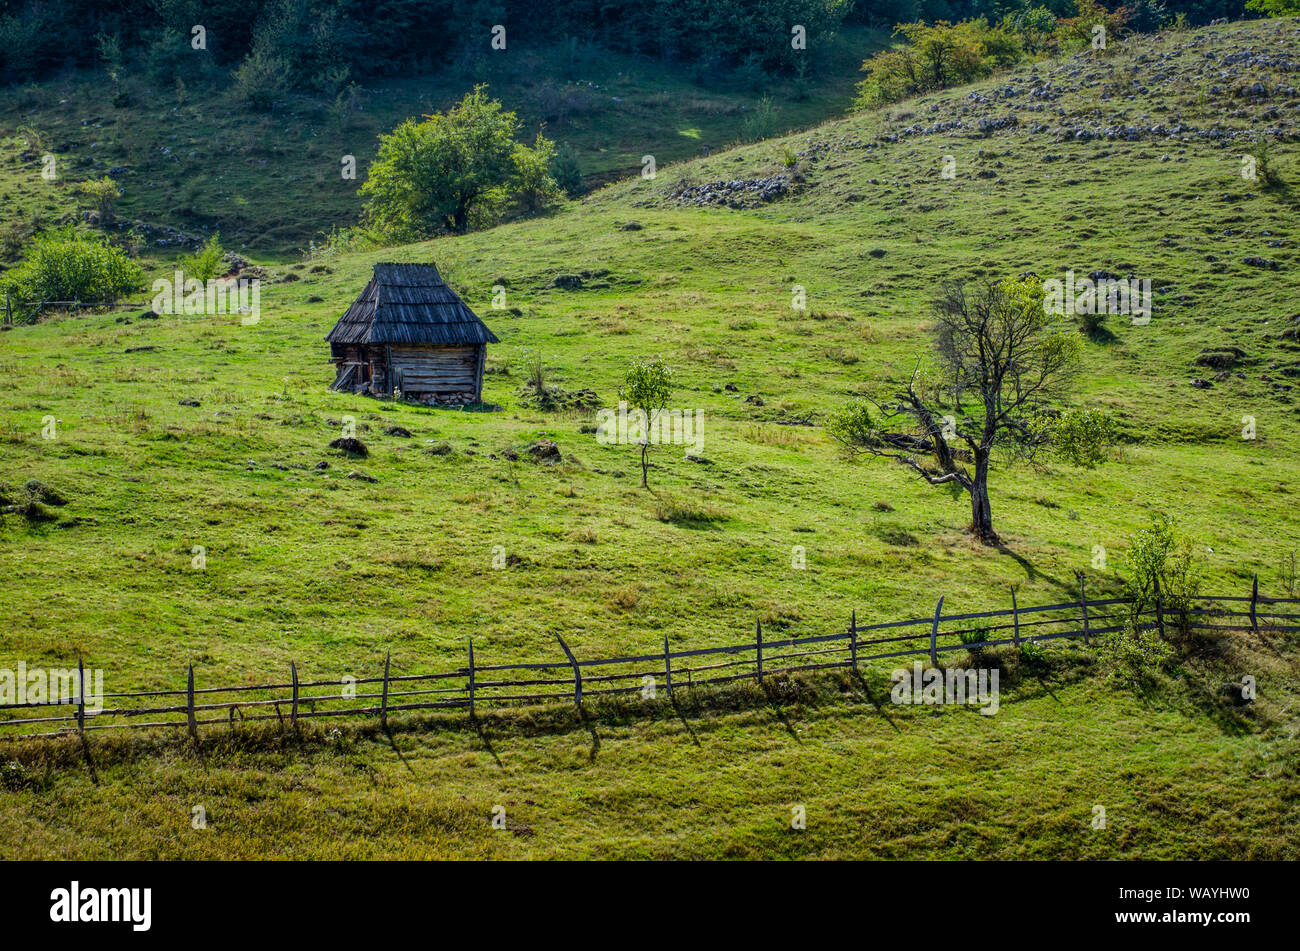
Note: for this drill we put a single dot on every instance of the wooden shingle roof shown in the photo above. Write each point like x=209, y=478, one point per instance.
x=409, y=303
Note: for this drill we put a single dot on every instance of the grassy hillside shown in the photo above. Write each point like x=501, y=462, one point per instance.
x=196, y=159
x=306, y=564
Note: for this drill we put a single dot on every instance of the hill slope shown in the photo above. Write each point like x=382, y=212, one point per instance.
x=305, y=564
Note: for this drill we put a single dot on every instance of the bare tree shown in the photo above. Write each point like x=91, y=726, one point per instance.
x=999, y=366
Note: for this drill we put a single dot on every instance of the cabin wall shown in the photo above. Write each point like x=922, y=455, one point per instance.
x=446, y=373
x=442, y=372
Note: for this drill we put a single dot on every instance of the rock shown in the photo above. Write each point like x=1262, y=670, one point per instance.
x=737, y=193
x=189, y=401
x=43, y=493
x=398, y=431
x=567, y=282
x=510, y=455
x=362, y=477
x=755, y=400
x=1235, y=694
x=441, y=449
x=321, y=466
x=1201, y=384
x=1253, y=261
x=1219, y=359
x=351, y=445
x=544, y=451
x=630, y=226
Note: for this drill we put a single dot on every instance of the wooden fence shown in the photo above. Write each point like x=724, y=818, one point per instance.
x=570, y=680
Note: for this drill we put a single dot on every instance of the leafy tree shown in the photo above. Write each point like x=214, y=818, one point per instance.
x=450, y=170
x=647, y=386
x=1275, y=8
x=936, y=56
x=999, y=367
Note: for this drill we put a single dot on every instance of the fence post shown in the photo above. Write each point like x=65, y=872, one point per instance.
x=758, y=649
x=1015, y=619
x=1083, y=603
x=1254, y=601
x=668, y=667
x=1160, y=607
x=471, y=678
x=853, y=640
x=293, y=711
x=577, y=672
x=189, y=707
x=934, y=633
x=81, y=696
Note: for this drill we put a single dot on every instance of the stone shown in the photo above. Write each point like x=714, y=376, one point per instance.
x=351, y=445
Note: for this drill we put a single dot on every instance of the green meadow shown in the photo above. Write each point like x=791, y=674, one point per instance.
x=309, y=564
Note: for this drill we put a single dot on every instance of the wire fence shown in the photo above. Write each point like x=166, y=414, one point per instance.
x=569, y=680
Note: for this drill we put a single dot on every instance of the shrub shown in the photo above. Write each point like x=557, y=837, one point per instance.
x=69, y=265
x=1033, y=653
x=566, y=171
x=1135, y=655
x=761, y=121
x=1083, y=437
x=260, y=78
x=206, y=263
x=103, y=191
x=1160, y=554
x=679, y=511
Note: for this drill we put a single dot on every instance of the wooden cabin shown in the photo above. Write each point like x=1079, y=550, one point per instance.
x=409, y=332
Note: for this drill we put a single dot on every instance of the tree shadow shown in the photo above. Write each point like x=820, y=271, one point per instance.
x=90, y=760
x=681, y=715
x=392, y=742
x=483, y=738
x=871, y=698
x=590, y=724
x=774, y=702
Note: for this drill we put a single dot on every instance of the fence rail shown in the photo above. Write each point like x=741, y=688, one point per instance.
x=474, y=685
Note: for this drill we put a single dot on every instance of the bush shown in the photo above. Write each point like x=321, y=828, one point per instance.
x=68, y=265
x=1164, y=555
x=1033, y=654
x=566, y=171
x=761, y=121
x=103, y=192
x=1135, y=655
x=260, y=78
x=678, y=511
x=1083, y=437
x=206, y=263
